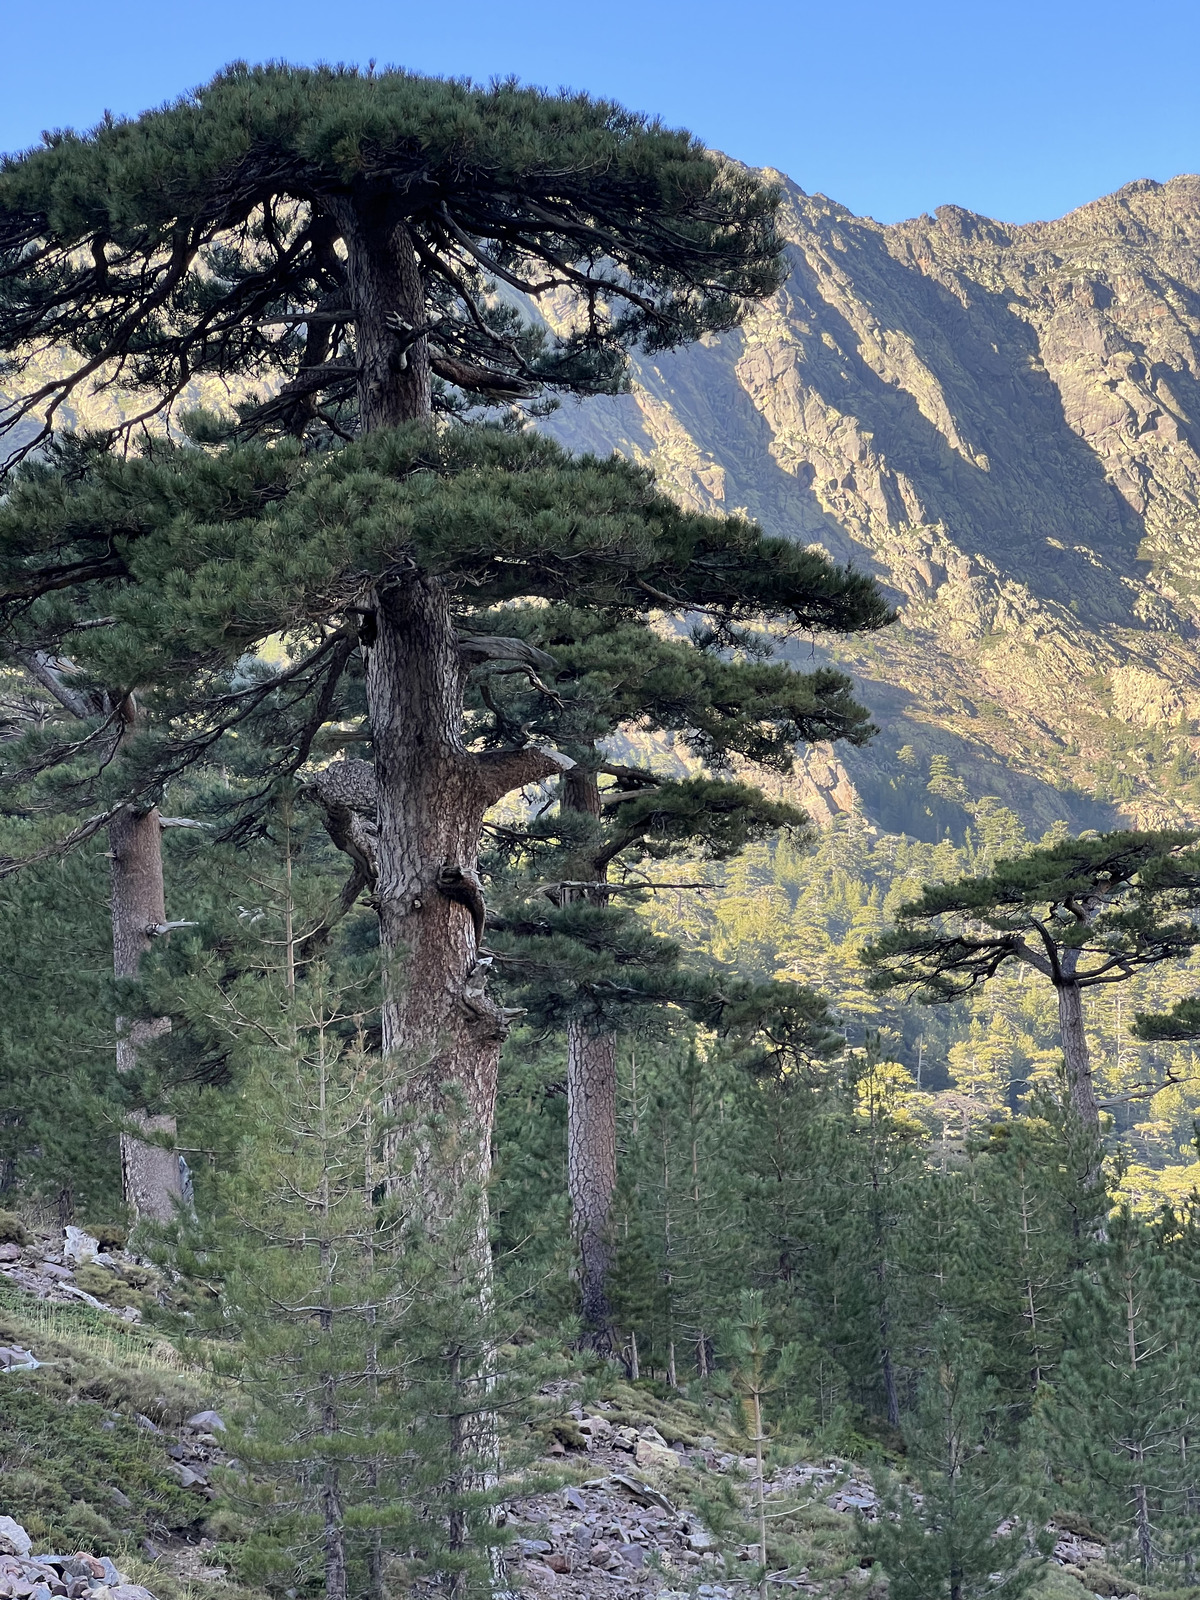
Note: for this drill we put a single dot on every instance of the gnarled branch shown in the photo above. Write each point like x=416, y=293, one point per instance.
x=500, y=772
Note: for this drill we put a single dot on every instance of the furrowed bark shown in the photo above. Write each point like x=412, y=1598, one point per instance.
x=440, y=1029
x=386, y=292
x=591, y=1122
x=592, y=1171
x=150, y=1174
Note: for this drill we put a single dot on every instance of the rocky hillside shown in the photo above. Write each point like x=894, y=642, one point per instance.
x=1003, y=423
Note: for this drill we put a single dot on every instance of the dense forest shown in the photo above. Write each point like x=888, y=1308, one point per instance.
x=438, y=1052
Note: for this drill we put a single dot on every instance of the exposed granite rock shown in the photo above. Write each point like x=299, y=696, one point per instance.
x=1004, y=424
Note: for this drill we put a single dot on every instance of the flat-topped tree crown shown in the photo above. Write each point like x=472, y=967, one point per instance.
x=351, y=235
x=1082, y=912
x=198, y=557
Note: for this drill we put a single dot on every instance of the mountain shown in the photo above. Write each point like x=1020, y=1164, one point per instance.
x=1003, y=424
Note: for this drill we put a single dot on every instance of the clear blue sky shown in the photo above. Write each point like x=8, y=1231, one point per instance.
x=1020, y=110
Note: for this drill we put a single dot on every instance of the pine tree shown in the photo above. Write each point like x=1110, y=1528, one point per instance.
x=1030, y=1214
x=962, y=1538
x=756, y=1368
x=1125, y=1408
x=374, y=212
x=620, y=820
x=355, y=1337
x=1081, y=912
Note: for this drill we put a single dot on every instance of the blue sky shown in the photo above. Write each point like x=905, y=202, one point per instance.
x=1019, y=110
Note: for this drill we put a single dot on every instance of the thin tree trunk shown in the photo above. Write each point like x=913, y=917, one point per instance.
x=592, y=1171
x=1140, y=1498
x=1031, y=1316
x=1080, y=1088
x=150, y=1173
x=760, y=1490
x=591, y=1117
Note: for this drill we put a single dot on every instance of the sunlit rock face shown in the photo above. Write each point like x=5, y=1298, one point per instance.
x=1003, y=423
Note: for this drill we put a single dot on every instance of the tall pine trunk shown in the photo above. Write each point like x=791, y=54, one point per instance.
x=592, y=1171
x=150, y=1174
x=151, y=1182
x=591, y=1118
x=440, y=1031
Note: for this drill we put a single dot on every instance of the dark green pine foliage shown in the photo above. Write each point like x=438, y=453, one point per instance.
x=1123, y=1414
x=336, y=235
x=966, y=1535
x=1082, y=913
x=59, y=1109
x=629, y=806
x=194, y=560
x=346, y=1331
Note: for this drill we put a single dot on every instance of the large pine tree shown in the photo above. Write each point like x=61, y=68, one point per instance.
x=340, y=235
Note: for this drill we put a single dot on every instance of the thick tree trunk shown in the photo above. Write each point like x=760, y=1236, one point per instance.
x=388, y=296
x=150, y=1174
x=1080, y=1088
x=441, y=1031
x=592, y=1171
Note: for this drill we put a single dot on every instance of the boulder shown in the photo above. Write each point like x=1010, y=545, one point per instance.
x=188, y=1479
x=655, y=1453
x=79, y=1246
x=208, y=1421
x=14, y=1541
x=642, y=1493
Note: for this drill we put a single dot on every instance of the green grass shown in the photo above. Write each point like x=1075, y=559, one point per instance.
x=69, y=1435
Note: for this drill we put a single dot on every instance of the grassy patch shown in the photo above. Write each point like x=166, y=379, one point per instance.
x=60, y=1464
x=69, y=1436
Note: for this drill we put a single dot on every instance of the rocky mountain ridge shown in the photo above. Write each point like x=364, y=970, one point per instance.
x=1002, y=423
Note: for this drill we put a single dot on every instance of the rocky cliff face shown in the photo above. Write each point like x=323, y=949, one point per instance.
x=1003, y=423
